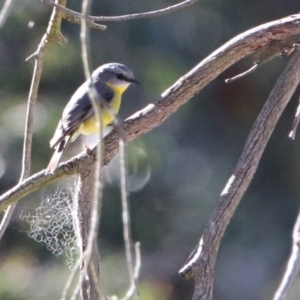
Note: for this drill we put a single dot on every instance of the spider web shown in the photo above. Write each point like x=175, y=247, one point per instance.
x=52, y=224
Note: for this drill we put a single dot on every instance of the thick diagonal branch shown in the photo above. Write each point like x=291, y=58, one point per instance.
x=201, y=264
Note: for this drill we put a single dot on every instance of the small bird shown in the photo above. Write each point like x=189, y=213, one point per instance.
x=110, y=81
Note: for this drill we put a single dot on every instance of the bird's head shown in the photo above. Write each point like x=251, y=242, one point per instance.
x=116, y=76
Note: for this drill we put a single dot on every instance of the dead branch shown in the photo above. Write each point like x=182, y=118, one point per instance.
x=126, y=222
x=293, y=266
x=53, y=34
x=284, y=32
x=201, y=263
x=5, y=11
x=150, y=14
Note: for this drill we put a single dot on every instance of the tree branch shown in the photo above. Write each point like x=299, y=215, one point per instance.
x=73, y=16
x=52, y=34
x=77, y=16
x=284, y=32
x=126, y=222
x=293, y=266
x=201, y=264
x=292, y=134
x=5, y=11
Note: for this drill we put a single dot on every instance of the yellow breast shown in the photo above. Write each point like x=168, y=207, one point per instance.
x=90, y=126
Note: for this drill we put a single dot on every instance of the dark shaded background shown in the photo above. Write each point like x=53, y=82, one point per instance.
x=177, y=171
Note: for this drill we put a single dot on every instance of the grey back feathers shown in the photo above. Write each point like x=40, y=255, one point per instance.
x=79, y=108
x=106, y=78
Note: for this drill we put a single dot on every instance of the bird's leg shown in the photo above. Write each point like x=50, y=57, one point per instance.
x=88, y=151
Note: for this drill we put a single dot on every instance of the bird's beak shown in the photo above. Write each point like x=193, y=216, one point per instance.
x=132, y=80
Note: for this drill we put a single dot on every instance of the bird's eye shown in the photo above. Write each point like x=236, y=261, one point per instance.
x=120, y=76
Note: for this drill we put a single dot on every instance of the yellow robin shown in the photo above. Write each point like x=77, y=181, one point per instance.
x=110, y=81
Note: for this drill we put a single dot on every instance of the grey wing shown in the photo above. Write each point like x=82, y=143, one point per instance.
x=78, y=110
x=76, y=113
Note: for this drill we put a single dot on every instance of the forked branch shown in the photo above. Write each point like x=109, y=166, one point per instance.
x=278, y=35
x=150, y=14
x=201, y=264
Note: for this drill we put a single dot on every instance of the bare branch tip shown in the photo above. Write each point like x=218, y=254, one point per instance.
x=252, y=69
x=62, y=39
x=97, y=26
x=292, y=135
x=186, y=272
x=32, y=56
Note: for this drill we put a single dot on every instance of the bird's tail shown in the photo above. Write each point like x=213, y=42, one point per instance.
x=55, y=159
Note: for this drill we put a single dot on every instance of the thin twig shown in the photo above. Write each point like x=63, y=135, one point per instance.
x=138, y=261
x=52, y=34
x=150, y=14
x=251, y=70
x=284, y=31
x=201, y=264
x=95, y=274
x=96, y=206
x=292, y=134
x=126, y=214
x=5, y=11
x=293, y=266
x=70, y=279
x=91, y=216
x=126, y=221
x=137, y=268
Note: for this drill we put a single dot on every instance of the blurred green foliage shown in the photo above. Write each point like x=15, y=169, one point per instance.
x=177, y=171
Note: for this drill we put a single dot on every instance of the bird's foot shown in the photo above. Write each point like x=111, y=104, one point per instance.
x=88, y=150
